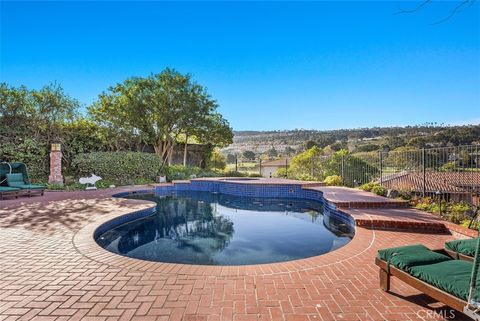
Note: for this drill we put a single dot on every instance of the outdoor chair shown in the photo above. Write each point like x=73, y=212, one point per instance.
x=450, y=281
x=16, y=180
x=462, y=249
x=8, y=191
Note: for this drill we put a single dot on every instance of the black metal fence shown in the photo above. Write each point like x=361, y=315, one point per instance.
x=245, y=166
x=452, y=172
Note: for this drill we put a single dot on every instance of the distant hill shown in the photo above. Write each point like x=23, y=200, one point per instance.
x=361, y=139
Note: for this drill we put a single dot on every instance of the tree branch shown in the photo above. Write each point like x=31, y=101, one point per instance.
x=455, y=10
x=420, y=6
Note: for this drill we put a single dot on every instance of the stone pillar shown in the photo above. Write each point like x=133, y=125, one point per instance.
x=55, y=165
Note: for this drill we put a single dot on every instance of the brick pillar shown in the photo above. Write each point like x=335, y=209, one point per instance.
x=55, y=165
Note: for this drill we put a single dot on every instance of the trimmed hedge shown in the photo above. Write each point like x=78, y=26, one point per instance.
x=119, y=168
x=128, y=168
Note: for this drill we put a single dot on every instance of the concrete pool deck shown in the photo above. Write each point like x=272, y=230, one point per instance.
x=52, y=270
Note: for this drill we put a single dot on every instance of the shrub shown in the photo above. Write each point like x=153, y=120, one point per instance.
x=458, y=212
x=254, y=175
x=405, y=195
x=232, y=174
x=333, y=180
x=180, y=172
x=475, y=224
x=30, y=152
x=304, y=177
x=280, y=173
x=368, y=186
x=118, y=168
x=426, y=204
x=456, y=218
x=379, y=190
x=56, y=187
x=460, y=208
x=217, y=160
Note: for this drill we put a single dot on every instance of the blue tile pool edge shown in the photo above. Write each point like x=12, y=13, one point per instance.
x=229, y=188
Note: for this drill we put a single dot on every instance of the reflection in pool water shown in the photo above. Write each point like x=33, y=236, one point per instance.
x=217, y=229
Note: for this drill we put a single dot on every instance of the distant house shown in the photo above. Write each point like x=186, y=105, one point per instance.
x=270, y=167
x=455, y=186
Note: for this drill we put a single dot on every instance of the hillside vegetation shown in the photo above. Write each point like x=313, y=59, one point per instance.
x=289, y=142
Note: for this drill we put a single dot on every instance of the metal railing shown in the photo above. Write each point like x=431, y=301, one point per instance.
x=452, y=172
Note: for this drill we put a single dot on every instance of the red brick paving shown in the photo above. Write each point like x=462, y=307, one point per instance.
x=52, y=270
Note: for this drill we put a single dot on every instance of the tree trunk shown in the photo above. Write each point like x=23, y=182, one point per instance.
x=169, y=154
x=185, y=151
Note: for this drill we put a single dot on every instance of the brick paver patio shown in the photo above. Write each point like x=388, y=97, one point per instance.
x=51, y=269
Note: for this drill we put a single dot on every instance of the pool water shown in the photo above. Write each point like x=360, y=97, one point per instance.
x=218, y=229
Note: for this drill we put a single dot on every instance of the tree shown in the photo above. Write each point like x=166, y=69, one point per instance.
x=307, y=165
x=325, y=140
x=309, y=144
x=217, y=160
x=367, y=148
x=272, y=152
x=339, y=146
x=289, y=151
x=54, y=107
x=30, y=120
x=231, y=158
x=159, y=109
x=248, y=154
x=201, y=121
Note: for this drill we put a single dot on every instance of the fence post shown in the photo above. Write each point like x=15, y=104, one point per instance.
x=286, y=167
x=343, y=169
x=380, y=156
x=424, y=167
x=260, y=166
x=311, y=169
x=236, y=164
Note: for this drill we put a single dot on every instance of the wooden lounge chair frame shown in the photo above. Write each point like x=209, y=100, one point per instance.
x=431, y=291
x=34, y=191
x=15, y=193
x=455, y=255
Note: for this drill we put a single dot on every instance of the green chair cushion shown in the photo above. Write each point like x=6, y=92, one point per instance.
x=15, y=179
x=406, y=257
x=8, y=189
x=451, y=276
x=30, y=186
x=466, y=247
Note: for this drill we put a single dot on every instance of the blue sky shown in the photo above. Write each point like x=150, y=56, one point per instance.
x=270, y=65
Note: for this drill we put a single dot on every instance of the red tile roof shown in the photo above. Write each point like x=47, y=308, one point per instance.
x=453, y=182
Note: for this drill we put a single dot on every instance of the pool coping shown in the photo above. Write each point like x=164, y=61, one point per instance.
x=84, y=242
x=364, y=237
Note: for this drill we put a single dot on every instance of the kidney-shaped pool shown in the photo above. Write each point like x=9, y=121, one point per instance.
x=219, y=229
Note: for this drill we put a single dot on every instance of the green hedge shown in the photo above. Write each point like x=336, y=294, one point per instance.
x=125, y=168
x=119, y=168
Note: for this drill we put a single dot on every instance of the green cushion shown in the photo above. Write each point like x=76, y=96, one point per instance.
x=8, y=189
x=15, y=179
x=30, y=186
x=451, y=276
x=406, y=257
x=466, y=247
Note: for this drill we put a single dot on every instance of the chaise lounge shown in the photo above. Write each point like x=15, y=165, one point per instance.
x=14, y=180
x=8, y=191
x=462, y=249
x=432, y=272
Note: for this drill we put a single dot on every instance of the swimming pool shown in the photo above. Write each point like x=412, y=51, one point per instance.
x=210, y=228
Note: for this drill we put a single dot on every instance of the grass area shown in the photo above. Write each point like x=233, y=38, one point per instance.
x=245, y=167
